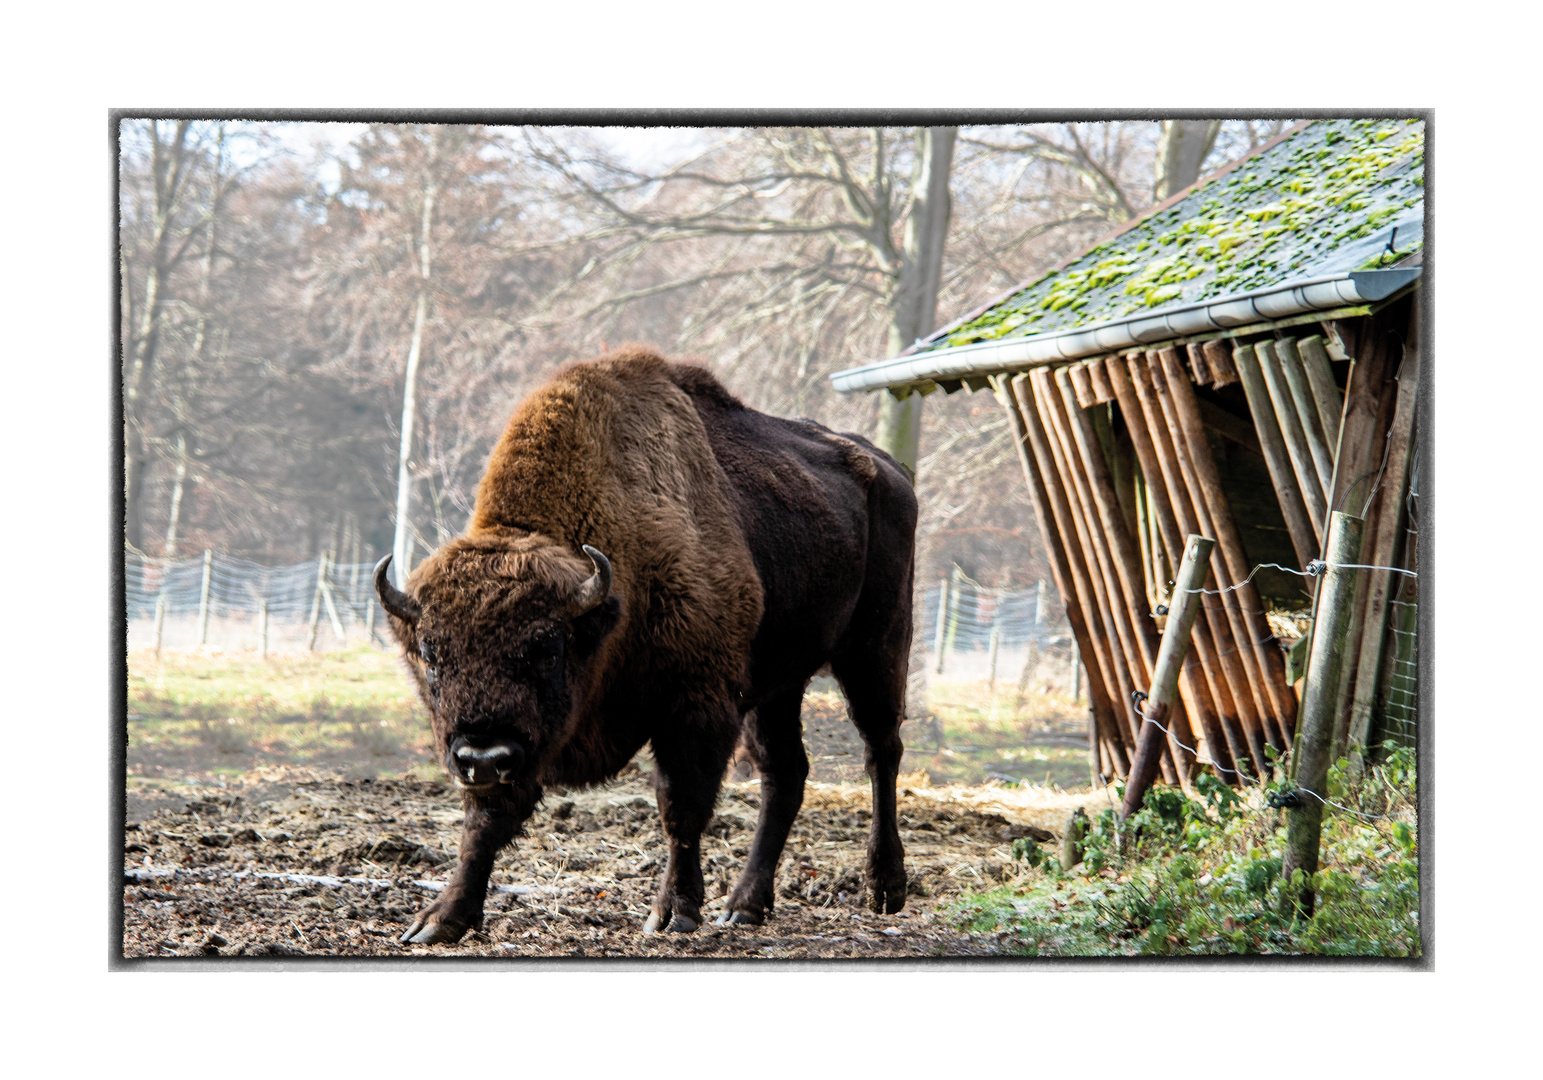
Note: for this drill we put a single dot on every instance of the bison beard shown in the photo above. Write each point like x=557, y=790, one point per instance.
x=649, y=561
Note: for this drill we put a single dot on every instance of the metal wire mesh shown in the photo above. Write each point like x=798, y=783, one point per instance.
x=228, y=615
x=1400, y=699
x=988, y=633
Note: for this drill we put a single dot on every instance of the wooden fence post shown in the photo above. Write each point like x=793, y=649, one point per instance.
x=369, y=619
x=203, y=599
x=1325, y=664
x=996, y=641
x=951, y=631
x=262, y=630
x=937, y=639
x=332, y=610
x=160, y=620
x=321, y=581
x=1165, y=674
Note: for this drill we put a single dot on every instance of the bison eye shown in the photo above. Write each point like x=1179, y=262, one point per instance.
x=546, y=653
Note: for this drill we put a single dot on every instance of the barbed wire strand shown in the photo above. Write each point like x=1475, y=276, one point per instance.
x=1257, y=783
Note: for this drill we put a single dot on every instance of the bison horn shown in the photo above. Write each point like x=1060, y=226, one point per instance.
x=392, y=598
x=597, y=586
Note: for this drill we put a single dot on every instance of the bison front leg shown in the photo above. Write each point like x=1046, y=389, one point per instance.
x=691, y=759
x=491, y=822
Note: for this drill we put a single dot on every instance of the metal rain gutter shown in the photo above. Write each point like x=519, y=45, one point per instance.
x=1262, y=305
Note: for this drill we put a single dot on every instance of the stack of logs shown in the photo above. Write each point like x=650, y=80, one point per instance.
x=1318, y=447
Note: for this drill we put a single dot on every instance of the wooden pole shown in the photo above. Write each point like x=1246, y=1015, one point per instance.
x=262, y=630
x=1325, y=662
x=1163, y=389
x=951, y=631
x=991, y=663
x=369, y=619
x=1320, y=377
x=1230, y=641
x=1066, y=564
x=160, y=619
x=1364, y=442
x=1199, y=364
x=1244, y=596
x=1082, y=384
x=1219, y=355
x=1225, y=733
x=1120, y=649
x=1383, y=552
x=332, y=611
x=1307, y=410
x=1360, y=450
x=1298, y=524
x=1144, y=534
x=203, y=598
x=1096, y=478
x=937, y=638
x=1069, y=574
x=1193, y=569
x=321, y=578
x=1102, y=391
x=1291, y=430
x=353, y=573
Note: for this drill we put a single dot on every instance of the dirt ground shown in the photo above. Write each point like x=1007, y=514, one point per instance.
x=291, y=862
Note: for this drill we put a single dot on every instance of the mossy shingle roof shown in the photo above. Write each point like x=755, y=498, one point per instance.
x=1325, y=199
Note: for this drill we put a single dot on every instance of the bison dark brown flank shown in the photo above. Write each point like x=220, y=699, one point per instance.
x=651, y=562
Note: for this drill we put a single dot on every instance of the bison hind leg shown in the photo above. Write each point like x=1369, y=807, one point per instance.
x=774, y=737
x=874, y=683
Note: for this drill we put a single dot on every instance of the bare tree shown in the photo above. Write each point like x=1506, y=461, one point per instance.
x=161, y=207
x=1181, y=148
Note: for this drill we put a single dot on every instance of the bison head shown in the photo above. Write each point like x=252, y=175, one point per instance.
x=502, y=639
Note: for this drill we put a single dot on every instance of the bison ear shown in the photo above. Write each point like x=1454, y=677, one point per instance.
x=591, y=628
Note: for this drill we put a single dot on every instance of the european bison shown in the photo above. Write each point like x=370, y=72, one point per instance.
x=650, y=561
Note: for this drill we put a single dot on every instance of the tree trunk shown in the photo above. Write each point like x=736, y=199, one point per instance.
x=169, y=165
x=913, y=308
x=200, y=348
x=1181, y=149
x=175, y=513
x=399, y=547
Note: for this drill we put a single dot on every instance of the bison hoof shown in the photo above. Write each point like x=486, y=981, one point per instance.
x=740, y=918
x=437, y=933
x=887, y=900
x=678, y=924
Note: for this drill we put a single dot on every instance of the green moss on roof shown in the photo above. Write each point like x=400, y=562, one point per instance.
x=1282, y=214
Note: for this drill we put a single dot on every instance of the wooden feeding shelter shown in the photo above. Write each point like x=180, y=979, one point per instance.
x=1238, y=363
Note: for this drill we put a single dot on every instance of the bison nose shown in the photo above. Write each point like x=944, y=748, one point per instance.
x=489, y=764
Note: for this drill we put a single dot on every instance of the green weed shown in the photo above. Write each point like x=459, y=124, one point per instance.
x=1203, y=877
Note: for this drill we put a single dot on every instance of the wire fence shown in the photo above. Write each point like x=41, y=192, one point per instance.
x=1012, y=635
x=218, y=601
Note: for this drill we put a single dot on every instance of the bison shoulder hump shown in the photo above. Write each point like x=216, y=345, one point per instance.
x=858, y=460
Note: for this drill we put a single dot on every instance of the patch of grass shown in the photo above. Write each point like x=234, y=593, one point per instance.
x=982, y=732
x=208, y=711
x=1204, y=878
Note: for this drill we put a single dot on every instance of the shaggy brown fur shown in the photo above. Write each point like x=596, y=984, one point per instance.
x=747, y=551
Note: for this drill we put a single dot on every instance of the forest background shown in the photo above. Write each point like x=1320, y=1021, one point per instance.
x=325, y=327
